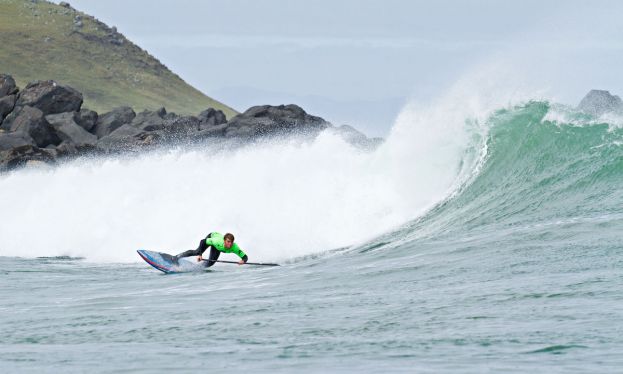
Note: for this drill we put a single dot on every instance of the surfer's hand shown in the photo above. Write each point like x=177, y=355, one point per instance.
x=241, y=262
x=199, y=258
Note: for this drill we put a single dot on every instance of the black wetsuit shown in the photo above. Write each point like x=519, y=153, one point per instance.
x=214, y=253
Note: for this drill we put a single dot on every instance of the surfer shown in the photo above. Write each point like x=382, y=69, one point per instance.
x=217, y=243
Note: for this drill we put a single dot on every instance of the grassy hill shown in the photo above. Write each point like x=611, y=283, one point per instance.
x=41, y=40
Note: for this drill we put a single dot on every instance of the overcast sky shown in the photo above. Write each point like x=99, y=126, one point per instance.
x=359, y=61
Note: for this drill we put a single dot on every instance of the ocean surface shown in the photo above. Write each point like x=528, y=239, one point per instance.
x=474, y=240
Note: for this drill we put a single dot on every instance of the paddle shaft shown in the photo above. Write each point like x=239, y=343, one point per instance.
x=246, y=263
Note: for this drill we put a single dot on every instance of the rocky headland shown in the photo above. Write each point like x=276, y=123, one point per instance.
x=45, y=123
x=45, y=40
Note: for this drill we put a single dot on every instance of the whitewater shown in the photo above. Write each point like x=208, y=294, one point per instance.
x=483, y=235
x=307, y=196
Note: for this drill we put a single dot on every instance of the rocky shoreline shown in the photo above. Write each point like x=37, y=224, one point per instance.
x=45, y=123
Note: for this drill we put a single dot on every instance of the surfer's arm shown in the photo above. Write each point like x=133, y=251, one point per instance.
x=235, y=249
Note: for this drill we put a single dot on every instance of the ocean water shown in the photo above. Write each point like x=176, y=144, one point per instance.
x=476, y=239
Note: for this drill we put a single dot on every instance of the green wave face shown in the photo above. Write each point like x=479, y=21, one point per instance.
x=542, y=170
x=541, y=179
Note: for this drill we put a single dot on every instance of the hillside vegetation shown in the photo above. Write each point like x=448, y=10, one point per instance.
x=41, y=40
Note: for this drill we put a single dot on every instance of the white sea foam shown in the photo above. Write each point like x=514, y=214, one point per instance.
x=566, y=115
x=281, y=199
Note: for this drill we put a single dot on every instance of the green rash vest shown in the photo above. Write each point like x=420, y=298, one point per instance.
x=218, y=241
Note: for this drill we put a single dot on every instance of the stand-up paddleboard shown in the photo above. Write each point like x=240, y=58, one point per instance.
x=164, y=262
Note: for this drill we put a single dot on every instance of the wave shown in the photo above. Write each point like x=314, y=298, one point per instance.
x=446, y=169
x=283, y=199
x=547, y=167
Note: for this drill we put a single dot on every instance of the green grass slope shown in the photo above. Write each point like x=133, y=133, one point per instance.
x=41, y=40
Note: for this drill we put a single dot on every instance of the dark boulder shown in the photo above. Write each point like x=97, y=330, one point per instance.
x=69, y=149
x=598, y=102
x=31, y=121
x=170, y=116
x=161, y=112
x=7, y=104
x=150, y=138
x=24, y=155
x=125, y=131
x=50, y=97
x=10, y=140
x=356, y=138
x=70, y=132
x=7, y=85
x=124, y=138
x=87, y=119
x=211, y=117
x=349, y=134
x=246, y=131
x=182, y=126
x=274, y=120
x=111, y=121
x=150, y=121
x=217, y=131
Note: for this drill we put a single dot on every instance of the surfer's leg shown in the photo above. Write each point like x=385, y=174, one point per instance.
x=214, y=253
x=195, y=252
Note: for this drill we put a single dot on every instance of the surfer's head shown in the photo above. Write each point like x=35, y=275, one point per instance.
x=228, y=240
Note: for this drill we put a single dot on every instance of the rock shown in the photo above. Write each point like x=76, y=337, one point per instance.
x=274, y=120
x=349, y=134
x=65, y=4
x=150, y=138
x=50, y=97
x=31, y=121
x=182, y=126
x=161, y=112
x=87, y=119
x=356, y=138
x=7, y=85
x=23, y=155
x=211, y=117
x=115, y=37
x=7, y=104
x=122, y=139
x=70, y=132
x=150, y=121
x=109, y=122
x=170, y=116
x=67, y=149
x=243, y=132
x=598, y=102
x=125, y=131
x=12, y=140
x=211, y=132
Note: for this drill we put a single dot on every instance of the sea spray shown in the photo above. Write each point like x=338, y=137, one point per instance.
x=282, y=199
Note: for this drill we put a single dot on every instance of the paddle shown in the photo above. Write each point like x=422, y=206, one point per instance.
x=246, y=263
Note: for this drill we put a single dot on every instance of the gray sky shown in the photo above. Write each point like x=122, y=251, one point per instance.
x=359, y=61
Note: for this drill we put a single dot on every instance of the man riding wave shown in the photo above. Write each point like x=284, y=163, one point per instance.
x=217, y=243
